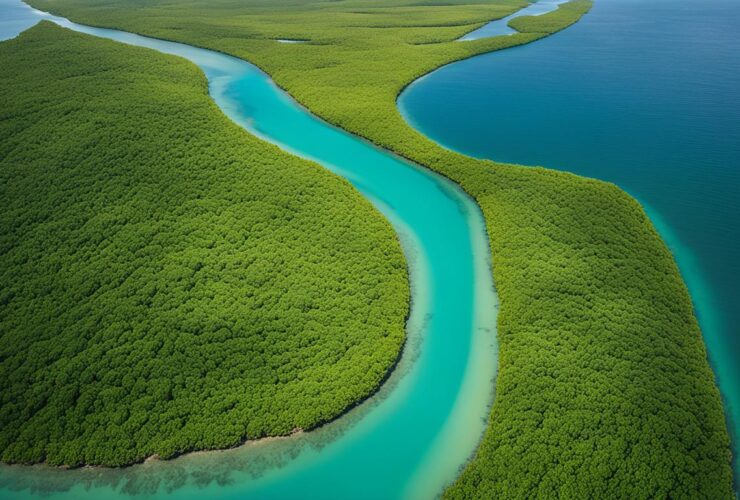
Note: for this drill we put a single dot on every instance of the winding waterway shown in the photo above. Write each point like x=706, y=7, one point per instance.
x=645, y=94
x=409, y=440
x=501, y=26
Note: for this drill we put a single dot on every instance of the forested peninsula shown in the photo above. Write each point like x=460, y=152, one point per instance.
x=170, y=282
x=604, y=389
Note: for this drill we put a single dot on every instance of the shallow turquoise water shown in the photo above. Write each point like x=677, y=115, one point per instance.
x=409, y=440
x=642, y=94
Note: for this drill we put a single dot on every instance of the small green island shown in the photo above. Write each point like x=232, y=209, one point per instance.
x=172, y=282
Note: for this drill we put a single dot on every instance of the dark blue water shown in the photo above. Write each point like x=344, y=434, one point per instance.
x=645, y=94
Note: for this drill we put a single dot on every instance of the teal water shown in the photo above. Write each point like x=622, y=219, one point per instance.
x=410, y=439
x=642, y=94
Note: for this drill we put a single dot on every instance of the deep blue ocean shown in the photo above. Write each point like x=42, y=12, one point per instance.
x=645, y=94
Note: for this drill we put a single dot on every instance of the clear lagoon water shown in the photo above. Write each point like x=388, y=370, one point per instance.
x=409, y=440
x=645, y=94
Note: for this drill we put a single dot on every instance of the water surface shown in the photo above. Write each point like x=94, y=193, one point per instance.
x=645, y=94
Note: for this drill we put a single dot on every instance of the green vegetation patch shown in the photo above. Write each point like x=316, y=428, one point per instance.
x=604, y=389
x=170, y=282
x=565, y=15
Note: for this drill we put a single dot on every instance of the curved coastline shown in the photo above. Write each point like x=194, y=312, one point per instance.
x=475, y=380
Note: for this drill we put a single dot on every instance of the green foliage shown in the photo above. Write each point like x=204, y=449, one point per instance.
x=170, y=282
x=604, y=389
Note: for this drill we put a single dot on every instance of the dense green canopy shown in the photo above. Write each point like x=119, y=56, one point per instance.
x=604, y=389
x=170, y=282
